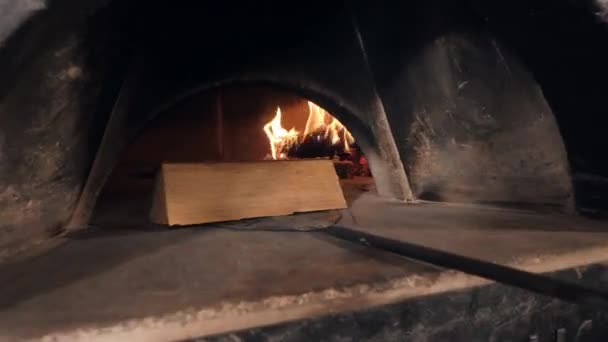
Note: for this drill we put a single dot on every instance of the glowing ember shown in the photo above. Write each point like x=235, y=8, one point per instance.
x=279, y=138
x=319, y=123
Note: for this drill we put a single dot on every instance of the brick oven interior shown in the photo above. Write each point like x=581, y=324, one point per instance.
x=225, y=125
x=475, y=182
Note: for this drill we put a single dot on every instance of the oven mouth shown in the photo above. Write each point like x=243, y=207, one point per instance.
x=241, y=125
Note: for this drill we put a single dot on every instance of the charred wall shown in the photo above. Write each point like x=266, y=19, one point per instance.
x=58, y=71
x=470, y=121
x=563, y=45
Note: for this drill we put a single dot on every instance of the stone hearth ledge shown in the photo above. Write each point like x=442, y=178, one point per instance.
x=233, y=316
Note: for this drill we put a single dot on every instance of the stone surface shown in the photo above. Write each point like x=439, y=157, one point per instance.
x=52, y=114
x=166, y=285
x=562, y=44
x=470, y=121
x=489, y=313
x=488, y=233
x=298, y=222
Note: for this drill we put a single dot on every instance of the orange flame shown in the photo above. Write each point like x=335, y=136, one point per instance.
x=317, y=121
x=334, y=129
x=279, y=138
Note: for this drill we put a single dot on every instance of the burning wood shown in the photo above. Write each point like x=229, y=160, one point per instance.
x=280, y=139
x=320, y=127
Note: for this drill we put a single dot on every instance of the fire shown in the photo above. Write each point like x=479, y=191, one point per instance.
x=316, y=119
x=318, y=122
x=333, y=131
x=279, y=138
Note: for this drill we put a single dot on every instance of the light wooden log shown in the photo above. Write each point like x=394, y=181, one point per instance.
x=189, y=194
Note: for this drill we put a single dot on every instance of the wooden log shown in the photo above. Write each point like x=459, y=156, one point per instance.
x=187, y=194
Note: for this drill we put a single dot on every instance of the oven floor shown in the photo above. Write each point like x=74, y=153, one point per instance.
x=159, y=285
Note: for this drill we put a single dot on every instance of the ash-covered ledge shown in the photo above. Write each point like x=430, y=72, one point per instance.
x=176, y=284
x=503, y=236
